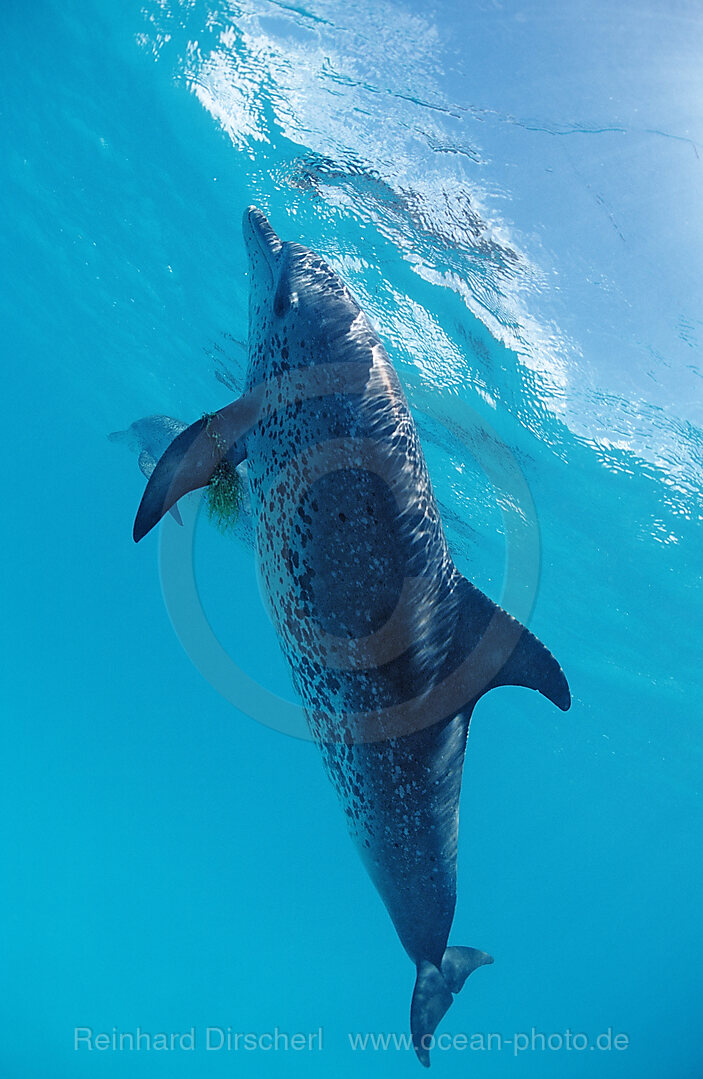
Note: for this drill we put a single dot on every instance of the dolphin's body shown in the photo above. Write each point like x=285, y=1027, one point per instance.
x=390, y=647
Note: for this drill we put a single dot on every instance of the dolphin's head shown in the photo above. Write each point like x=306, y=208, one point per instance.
x=299, y=309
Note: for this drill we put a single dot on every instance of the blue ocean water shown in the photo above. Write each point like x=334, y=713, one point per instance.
x=512, y=191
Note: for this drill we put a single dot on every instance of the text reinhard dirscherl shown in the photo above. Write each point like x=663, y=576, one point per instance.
x=211, y=1039
x=226, y=1039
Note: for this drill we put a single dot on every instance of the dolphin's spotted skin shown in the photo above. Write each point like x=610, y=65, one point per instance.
x=390, y=647
x=347, y=557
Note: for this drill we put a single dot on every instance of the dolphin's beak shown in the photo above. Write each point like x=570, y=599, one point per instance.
x=258, y=232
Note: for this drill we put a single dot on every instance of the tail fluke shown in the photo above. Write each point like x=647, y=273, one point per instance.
x=458, y=963
x=431, y=999
x=433, y=991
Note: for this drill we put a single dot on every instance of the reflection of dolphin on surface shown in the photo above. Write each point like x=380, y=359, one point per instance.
x=150, y=437
x=390, y=647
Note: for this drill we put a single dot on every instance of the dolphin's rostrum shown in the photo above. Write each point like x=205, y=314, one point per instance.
x=389, y=646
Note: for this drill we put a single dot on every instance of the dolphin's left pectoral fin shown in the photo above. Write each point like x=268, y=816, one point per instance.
x=192, y=458
x=501, y=651
x=147, y=464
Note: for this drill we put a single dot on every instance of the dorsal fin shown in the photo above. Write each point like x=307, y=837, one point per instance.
x=533, y=666
x=502, y=652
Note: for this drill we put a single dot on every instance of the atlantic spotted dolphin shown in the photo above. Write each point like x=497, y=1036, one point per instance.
x=390, y=647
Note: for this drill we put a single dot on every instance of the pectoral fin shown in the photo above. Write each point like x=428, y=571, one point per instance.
x=191, y=459
x=147, y=464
